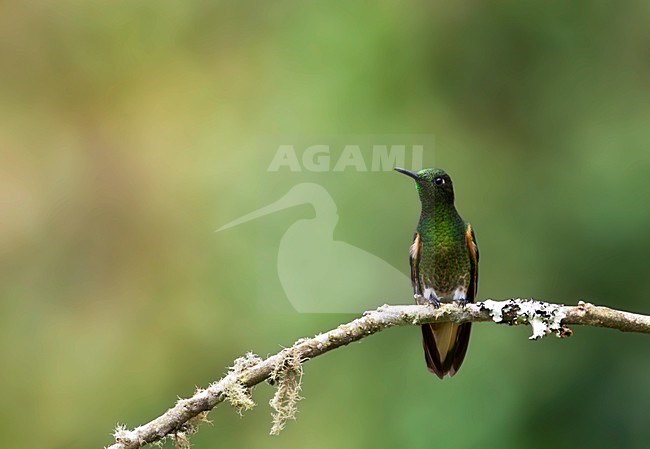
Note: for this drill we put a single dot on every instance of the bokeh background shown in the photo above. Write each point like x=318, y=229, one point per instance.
x=129, y=132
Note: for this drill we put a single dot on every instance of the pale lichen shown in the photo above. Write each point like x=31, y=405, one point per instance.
x=244, y=362
x=181, y=437
x=544, y=318
x=235, y=392
x=181, y=440
x=495, y=308
x=288, y=376
x=122, y=434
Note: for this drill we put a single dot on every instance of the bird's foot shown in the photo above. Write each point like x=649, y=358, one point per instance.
x=424, y=301
x=462, y=302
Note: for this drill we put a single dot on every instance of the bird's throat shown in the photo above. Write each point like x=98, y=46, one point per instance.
x=438, y=215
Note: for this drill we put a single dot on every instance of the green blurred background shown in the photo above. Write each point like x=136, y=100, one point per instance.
x=129, y=132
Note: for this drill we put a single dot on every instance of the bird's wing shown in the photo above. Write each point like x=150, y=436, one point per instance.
x=414, y=259
x=464, y=330
x=470, y=239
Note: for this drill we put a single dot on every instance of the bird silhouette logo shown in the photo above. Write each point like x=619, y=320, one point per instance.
x=320, y=274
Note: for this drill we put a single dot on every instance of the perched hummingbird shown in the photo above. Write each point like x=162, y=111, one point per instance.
x=444, y=268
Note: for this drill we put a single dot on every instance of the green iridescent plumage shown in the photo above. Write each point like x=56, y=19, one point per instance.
x=444, y=267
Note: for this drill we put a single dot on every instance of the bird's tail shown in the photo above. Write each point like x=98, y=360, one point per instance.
x=445, y=345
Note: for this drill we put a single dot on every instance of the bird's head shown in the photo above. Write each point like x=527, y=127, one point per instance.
x=433, y=185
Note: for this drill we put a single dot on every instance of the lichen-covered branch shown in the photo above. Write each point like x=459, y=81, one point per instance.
x=285, y=369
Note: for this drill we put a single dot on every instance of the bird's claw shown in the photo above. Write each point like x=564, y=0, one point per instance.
x=422, y=301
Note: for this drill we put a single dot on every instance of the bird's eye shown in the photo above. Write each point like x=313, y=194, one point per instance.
x=439, y=181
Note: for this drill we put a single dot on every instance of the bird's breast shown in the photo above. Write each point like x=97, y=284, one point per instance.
x=444, y=271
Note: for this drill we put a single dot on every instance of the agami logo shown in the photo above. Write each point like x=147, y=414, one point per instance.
x=323, y=158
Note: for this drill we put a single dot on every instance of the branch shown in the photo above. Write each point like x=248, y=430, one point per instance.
x=285, y=366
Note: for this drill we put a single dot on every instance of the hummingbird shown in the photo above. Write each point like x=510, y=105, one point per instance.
x=444, y=268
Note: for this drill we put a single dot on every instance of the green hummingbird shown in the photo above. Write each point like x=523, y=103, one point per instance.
x=444, y=268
